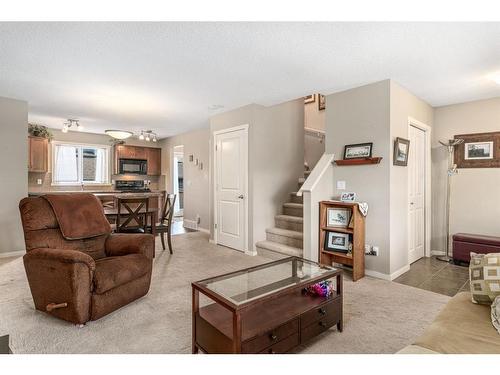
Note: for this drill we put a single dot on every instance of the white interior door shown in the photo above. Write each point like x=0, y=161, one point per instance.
x=231, y=169
x=416, y=194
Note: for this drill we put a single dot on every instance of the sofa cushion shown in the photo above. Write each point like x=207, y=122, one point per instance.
x=484, y=272
x=111, y=272
x=495, y=313
x=462, y=327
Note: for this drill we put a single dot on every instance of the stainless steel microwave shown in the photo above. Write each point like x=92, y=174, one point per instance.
x=133, y=166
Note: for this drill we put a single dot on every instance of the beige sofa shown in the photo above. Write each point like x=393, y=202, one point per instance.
x=462, y=327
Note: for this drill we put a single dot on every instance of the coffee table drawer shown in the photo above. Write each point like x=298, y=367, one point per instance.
x=317, y=327
x=283, y=346
x=259, y=343
x=324, y=312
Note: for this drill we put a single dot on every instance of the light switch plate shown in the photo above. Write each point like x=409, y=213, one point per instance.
x=340, y=185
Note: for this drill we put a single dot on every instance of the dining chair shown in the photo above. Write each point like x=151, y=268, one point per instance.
x=132, y=215
x=165, y=224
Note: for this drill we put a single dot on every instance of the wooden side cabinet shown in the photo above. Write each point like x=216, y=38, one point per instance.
x=38, y=154
x=154, y=161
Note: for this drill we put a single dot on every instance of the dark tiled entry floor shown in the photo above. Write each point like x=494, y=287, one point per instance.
x=436, y=276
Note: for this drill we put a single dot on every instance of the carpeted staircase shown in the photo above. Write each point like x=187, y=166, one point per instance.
x=286, y=237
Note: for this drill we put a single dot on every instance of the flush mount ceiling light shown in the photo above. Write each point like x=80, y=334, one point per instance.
x=148, y=135
x=118, y=134
x=72, y=122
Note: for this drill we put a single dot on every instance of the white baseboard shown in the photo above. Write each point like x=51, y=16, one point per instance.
x=388, y=277
x=12, y=254
x=437, y=252
x=212, y=241
x=190, y=224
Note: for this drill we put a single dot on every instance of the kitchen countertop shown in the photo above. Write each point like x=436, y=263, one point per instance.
x=152, y=193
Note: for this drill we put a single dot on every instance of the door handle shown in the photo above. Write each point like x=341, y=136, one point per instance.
x=241, y=196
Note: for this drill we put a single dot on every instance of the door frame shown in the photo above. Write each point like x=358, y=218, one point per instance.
x=428, y=185
x=172, y=171
x=243, y=127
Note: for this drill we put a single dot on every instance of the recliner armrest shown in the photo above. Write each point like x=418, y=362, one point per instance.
x=119, y=244
x=62, y=256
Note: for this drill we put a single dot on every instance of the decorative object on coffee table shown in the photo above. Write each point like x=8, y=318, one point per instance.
x=269, y=312
x=354, y=258
x=451, y=170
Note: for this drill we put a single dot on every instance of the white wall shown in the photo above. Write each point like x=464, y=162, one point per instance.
x=404, y=105
x=362, y=115
x=313, y=119
x=196, y=180
x=275, y=159
x=14, y=176
x=475, y=192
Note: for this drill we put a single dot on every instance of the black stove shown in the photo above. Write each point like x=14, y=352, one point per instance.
x=131, y=186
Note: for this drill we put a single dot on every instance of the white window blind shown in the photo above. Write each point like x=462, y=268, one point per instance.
x=80, y=164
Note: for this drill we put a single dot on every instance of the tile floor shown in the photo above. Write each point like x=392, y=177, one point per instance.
x=436, y=276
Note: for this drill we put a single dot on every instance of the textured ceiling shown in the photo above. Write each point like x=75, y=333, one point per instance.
x=165, y=76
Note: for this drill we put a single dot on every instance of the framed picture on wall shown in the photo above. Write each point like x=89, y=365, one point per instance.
x=358, y=151
x=401, y=148
x=309, y=99
x=321, y=102
x=479, y=150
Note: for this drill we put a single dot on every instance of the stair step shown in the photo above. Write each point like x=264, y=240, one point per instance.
x=295, y=198
x=273, y=250
x=285, y=236
x=307, y=173
x=289, y=222
x=293, y=209
x=301, y=182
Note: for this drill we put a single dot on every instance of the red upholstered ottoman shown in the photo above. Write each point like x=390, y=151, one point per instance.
x=464, y=244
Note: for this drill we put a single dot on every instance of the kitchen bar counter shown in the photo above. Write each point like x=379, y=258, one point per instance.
x=100, y=193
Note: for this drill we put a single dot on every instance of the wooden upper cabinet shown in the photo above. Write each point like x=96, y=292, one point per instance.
x=38, y=154
x=152, y=155
x=154, y=161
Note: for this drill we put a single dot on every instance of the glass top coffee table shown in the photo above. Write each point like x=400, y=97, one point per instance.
x=268, y=308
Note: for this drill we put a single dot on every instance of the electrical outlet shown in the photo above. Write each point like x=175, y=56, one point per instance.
x=39, y=181
x=368, y=249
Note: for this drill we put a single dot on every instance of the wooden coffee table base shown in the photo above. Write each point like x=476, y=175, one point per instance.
x=272, y=324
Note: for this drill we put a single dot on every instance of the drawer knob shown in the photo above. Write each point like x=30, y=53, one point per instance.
x=322, y=324
x=322, y=311
x=273, y=337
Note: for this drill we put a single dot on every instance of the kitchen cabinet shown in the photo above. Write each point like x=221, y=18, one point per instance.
x=154, y=161
x=151, y=154
x=38, y=154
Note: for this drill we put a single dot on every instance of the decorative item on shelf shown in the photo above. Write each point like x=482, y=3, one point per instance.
x=70, y=123
x=321, y=102
x=358, y=151
x=200, y=166
x=348, y=197
x=42, y=131
x=401, y=149
x=481, y=150
x=323, y=288
x=309, y=99
x=338, y=217
x=191, y=158
x=196, y=161
x=363, y=208
x=148, y=135
x=337, y=242
x=119, y=134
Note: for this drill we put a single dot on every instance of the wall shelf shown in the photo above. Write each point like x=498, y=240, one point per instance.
x=358, y=161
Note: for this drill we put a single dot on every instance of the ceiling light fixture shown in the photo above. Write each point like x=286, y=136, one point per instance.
x=69, y=123
x=118, y=134
x=148, y=136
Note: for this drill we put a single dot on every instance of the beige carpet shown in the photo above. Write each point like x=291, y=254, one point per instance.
x=380, y=316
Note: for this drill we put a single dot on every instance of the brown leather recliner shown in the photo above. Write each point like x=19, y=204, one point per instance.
x=77, y=270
